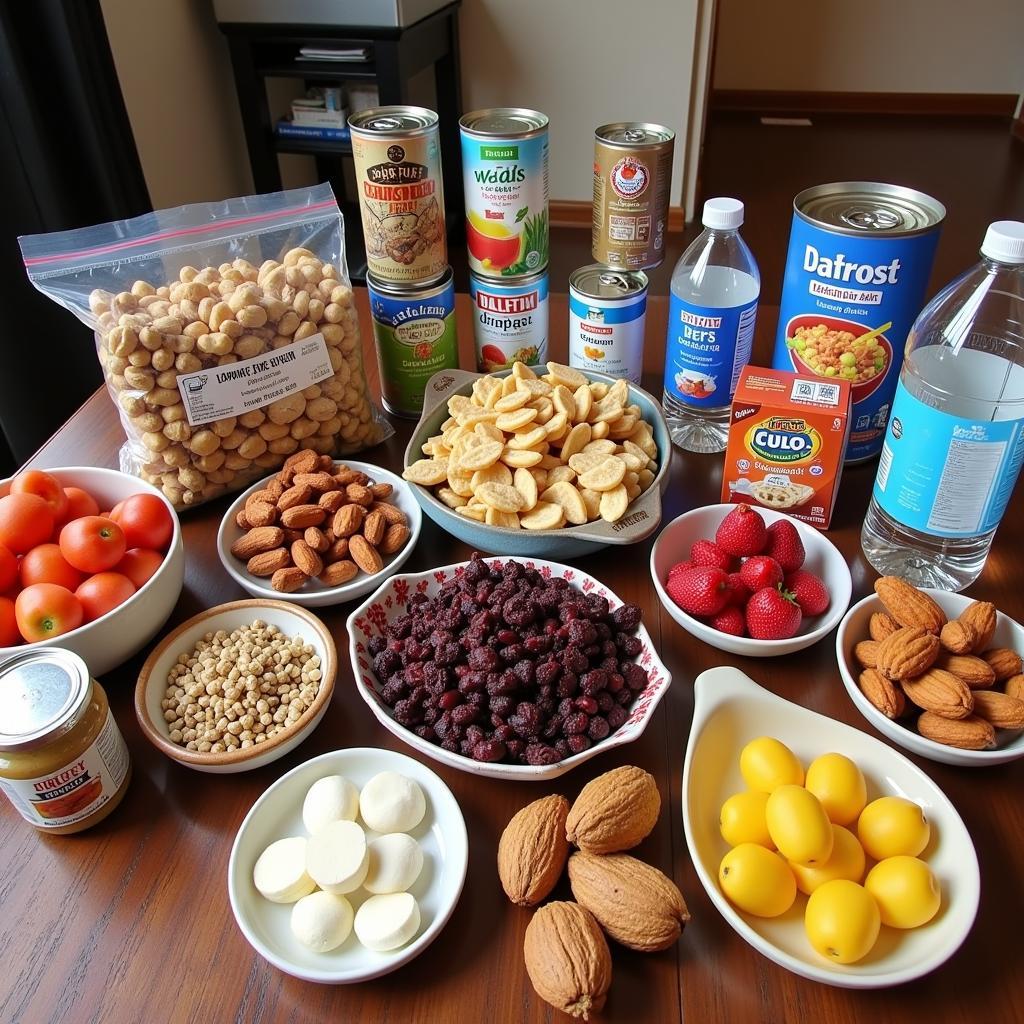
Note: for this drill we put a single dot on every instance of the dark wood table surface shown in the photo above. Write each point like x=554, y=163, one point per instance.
x=130, y=921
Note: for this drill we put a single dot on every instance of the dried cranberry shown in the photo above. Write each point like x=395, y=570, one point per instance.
x=562, y=747
x=552, y=728
x=605, y=701
x=449, y=699
x=568, y=685
x=507, y=636
x=526, y=720
x=425, y=732
x=504, y=732
x=547, y=672
x=626, y=617
x=503, y=705
x=414, y=674
x=451, y=745
x=575, y=723
x=615, y=682
x=540, y=754
x=375, y=645
x=392, y=693
x=624, y=697
x=474, y=734
x=489, y=750
x=581, y=632
x=635, y=676
x=574, y=660
x=483, y=659
x=463, y=714
x=538, y=644
x=598, y=728
x=593, y=682
x=472, y=682
x=617, y=718
x=385, y=663
x=587, y=705
x=577, y=744
x=407, y=713
x=515, y=749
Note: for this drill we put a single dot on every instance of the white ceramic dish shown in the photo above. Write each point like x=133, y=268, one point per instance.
x=822, y=558
x=152, y=682
x=278, y=813
x=372, y=617
x=854, y=628
x=730, y=710
x=113, y=638
x=314, y=594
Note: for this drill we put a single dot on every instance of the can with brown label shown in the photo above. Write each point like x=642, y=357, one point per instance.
x=632, y=176
x=397, y=160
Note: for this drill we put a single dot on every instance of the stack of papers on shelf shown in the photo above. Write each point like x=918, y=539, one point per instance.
x=354, y=54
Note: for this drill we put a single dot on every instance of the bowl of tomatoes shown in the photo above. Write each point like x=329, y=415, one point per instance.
x=91, y=560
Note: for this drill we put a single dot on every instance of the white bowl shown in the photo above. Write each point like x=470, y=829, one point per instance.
x=112, y=639
x=729, y=711
x=314, y=594
x=854, y=628
x=822, y=558
x=278, y=813
x=389, y=602
x=152, y=682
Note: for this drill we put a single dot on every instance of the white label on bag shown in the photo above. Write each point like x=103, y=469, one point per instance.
x=250, y=384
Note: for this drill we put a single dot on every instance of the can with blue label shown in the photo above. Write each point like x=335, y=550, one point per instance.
x=860, y=254
x=510, y=320
x=415, y=333
x=607, y=313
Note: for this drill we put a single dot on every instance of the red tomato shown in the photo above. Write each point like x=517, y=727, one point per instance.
x=8, y=567
x=80, y=503
x=47, y=487
x=114, y=512
x=9, y=635
x=139, y=565
x=46, y=610
x=25, y=521
x=145, y=521
x=103, y=592
x=92, y=543
x=45, y=564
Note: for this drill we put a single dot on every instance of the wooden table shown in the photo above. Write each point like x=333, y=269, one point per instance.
x=130, y=921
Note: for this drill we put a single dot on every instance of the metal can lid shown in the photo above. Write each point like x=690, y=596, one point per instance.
x=870, y=208
x=504, y=122
x=393, y=122
x=42, y=694
x=634, y=133
x=411, y=289
x=600, y=282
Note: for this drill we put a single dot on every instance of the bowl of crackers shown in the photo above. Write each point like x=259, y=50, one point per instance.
x=552, y=465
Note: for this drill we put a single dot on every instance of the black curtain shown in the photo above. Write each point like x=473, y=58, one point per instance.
x=67, y=159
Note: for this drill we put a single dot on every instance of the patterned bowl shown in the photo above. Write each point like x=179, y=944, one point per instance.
x=389, y=602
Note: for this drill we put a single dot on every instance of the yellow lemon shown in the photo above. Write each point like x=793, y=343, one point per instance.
x=893, y=825
x=838, y=783
x=742, y=820
x=906, y=891
x=767, y=763
x=798, y=825
x=842, y=921
x=847, y=861
x=756, y=880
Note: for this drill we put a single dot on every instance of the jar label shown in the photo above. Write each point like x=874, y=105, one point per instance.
x=945, y=475
x=78, y=789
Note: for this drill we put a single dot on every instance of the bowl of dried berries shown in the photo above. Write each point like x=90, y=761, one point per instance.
x=507, y=668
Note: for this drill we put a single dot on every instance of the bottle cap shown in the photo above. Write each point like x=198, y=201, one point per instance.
x=1004, y=241
x=723, y=214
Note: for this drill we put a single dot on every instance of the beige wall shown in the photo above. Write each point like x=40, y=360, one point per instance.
x=871, y=45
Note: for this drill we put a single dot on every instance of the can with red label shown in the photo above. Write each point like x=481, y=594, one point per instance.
x=510, y=320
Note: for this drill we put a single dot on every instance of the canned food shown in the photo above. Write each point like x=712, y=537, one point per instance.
x=505, y=177
x=63, y=762
x=510, y=320
x=415, y=334
x=607, y=312
x=859, y=258
x=632, y=176
x=397, y=160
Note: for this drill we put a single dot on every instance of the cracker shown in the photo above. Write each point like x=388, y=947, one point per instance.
x=566, y=495
x=614, y=504
x=426, y=472
x=503, y=497
x=543, y=516
x=480, y=457
x=605, y=476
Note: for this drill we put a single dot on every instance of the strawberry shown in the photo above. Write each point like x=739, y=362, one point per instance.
x=700, y=590
x=678, y=569
x=742, y=532
x=760, y=571
x=772, y=614
x=809, y=591
x=729, y=620
x=707, y=552
x=784, y=545
x=739, y=592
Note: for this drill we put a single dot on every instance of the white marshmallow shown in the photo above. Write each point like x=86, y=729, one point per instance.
x=322, y=921
x=336, y=857
x=390, y=802
x=387, y=921
x=280, y=873
x=396, y=861
x=333, y=798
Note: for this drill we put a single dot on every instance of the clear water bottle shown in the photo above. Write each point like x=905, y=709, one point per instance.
x=955, y=439
x=715, y=288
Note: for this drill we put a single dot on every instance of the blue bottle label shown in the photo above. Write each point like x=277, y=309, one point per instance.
x=705, y=351
x=946, y=475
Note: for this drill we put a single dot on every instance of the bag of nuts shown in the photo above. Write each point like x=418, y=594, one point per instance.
x=227, y=335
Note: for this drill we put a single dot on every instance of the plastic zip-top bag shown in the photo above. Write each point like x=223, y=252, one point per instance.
x=227, y=335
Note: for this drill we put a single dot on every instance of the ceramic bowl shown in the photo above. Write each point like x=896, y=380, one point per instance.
x=152, y=683
x=822, y=558
x=112, y=639
x=639, y=522
x=729, y=711
x=854, y=628
x=314, y=594
x=278, y=813
x=389, y=602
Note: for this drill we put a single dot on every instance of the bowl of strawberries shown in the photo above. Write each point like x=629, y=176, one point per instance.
x=750, y=581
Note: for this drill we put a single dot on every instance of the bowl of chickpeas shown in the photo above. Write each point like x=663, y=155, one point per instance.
x=830, y=347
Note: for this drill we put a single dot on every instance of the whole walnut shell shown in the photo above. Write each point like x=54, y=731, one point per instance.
x=615, y=811
x=533, y=850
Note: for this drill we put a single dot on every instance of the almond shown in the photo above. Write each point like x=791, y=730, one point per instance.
x=305, y=461
x=395, y=538
x=359, y=494
x=885, y=695
x=347, y=520
x=981, y=616
x=1001, y=709
x=907, y=653
x=298, y=517
x=287, y=580
x=364, y=555
x=337, y=550
x=295, y=495
x=971, y=733
x=266, y=563
x=306, y=559
x=319, y=482
x=274, y=490
x=332, y=500
x=866, y=653
x=374, y=528
x=941, y=692
x=381, y=491
x=636, y=904
x=392, y=513
x=261, y=513
x=242, y=521
x=533, y=850
x=908, y=605
x=975, y=672
x=262, y=495
x=1003, y=662
x=343, y=476
x=291, y=536
x=316, y=539
x=1014, y=686
x=263, y=538
x=881, y=625
x=958, y=636
x=339, y=572
x=615, y=811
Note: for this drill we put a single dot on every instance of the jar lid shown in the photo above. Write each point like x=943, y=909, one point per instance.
x=42, y=694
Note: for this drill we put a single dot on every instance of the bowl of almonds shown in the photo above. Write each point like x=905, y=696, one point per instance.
x=319, y=532
x=939, y=674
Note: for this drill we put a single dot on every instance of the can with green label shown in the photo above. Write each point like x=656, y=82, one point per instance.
x=415, y=333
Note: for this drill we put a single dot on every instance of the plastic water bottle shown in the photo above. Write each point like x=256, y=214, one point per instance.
x=715, y=287
x=955, y=439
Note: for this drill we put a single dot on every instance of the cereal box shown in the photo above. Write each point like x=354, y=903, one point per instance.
x=787, y=439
